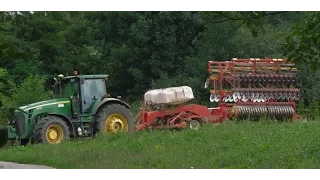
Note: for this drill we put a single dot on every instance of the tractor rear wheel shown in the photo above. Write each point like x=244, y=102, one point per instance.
x=113, y=119
x=50, y=130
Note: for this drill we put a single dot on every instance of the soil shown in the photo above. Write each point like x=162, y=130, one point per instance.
x=11, y=165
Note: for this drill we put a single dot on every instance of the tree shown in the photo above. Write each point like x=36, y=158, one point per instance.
x=137, y=47
x=303, y=43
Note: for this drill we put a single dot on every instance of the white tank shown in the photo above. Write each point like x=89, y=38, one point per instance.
x=171, y=95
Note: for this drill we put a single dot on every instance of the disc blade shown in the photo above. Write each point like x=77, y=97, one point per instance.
x=212, y=97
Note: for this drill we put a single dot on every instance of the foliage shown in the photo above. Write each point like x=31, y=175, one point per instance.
x=302, y=44
x=254, y=21
x=6, y=90
x=4, y=85
x=2, y=90
x=138, y=47
x=31, y=90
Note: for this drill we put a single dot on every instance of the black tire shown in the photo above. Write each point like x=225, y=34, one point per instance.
x=41, y=129
x=107, y=111
x=24, y=142
x=3, y=136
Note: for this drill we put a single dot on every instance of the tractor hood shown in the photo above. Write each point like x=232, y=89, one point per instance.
x=41, y=104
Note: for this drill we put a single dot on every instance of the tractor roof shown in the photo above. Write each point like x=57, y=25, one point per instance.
x=97, y=76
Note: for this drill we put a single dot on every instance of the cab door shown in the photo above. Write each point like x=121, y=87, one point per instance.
x=91, y=90
x=71, y=90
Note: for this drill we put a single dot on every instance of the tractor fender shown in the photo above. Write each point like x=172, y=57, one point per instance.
x=110, y=100
x=66, y=119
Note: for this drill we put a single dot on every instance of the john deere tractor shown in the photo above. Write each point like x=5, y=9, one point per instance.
x=81, y=108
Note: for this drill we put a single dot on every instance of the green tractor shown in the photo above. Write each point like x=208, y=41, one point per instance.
x=81, y=108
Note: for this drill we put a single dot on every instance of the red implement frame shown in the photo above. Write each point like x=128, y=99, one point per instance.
x=178, y=117
x=222, y=74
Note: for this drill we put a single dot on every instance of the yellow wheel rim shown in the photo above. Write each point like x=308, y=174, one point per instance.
x=116, y=123
x=54, y=134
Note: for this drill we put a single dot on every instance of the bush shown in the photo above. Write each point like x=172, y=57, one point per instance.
x=31, y=90
x=311, y=110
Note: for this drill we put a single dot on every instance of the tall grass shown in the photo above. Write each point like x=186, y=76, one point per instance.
x=263, y=144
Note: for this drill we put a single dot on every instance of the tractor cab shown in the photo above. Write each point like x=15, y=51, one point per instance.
x=82, y=90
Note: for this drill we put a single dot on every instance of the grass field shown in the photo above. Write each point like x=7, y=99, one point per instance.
x=230, y=145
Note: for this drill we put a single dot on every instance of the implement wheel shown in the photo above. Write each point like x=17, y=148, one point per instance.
x=194, y=124
x=50, y=130
x=113, y=119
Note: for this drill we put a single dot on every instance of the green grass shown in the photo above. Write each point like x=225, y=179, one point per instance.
x=230, y=145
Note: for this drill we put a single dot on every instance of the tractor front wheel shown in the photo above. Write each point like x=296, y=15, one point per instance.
x=24, y=142
x=50, y=130
x=113, y=119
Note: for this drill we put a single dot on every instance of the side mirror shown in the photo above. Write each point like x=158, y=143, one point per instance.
x=55, y=81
